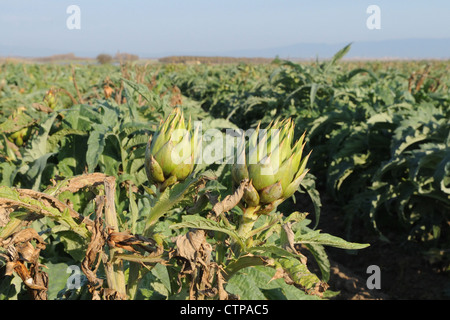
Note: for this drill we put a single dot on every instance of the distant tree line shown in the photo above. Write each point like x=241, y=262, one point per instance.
x=58, y=57
x=104, y=58
x=212, y=60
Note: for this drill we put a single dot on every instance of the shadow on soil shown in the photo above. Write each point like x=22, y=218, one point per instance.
x=405, y=274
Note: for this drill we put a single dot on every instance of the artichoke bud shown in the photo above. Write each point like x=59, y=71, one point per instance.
x=251, y=196
x=301, y=173
x=271, y=193
x=50, y=98
x=274, y=167
x=156, y=173
x=170, y=155
x=239, y=172
x=169, y=181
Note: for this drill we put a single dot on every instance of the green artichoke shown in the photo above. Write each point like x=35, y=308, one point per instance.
x=170, y=152
x=272, y=165
x=50, y=98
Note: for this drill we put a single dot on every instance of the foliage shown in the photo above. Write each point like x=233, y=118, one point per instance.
x=104, y=58
x=72, y=169
x=379, y=132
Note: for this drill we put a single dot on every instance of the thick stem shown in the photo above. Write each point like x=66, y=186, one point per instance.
x=111, y=221
x=247, y=222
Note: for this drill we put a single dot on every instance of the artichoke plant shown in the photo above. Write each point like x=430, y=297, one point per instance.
x=50, y=98
x=170, y=152
x=274, y=167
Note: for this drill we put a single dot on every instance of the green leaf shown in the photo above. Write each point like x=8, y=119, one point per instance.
x=313, y=92
x=271, y=250
x=34, y=171
x=258, y=283
x=38, y=146
x=161, y=273
x=298, y=272
x=10, y=287
x=356, y=71
x=141, y=89
x=35, y=156
x=21, y=121
x=340, y=54
x=55, y=138
x=197, y=222
x=309, y=184
x=241, y=263
x=96, y=144
x=325, y=239
x=69, y=161
x=321, y=257
x=57, y=274
x=75, y=244
x=169, y=198
x=7, y=173
x=245, y=286
x=150, y=288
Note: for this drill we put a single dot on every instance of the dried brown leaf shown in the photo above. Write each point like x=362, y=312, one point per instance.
x=93, y=254
x=232, y=200
x=79, y=182
x=20, y=251
x=126, y=241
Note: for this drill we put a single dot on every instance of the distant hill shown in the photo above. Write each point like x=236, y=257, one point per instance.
x=59, y=57
x=399, y=49
x=385, y=49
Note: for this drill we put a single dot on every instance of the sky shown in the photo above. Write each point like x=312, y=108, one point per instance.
x=157, y=28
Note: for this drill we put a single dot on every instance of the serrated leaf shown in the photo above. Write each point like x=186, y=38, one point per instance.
x=313, y=92
x=270, y=250
x=258, y=283
x=309, y=184
x=56, y=137
x=241, y=263
x=321, y=257
x=35, y=156
x=169, y=198
x=96, y=144
x=325, y=239
x=299, y=272
x=197, y=222
x=57, y=274
x=161, y=273
x=245, y=286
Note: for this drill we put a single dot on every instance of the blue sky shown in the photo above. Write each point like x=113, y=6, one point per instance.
x=174, y=26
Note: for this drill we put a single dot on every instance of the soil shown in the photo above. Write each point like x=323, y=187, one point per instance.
x=405, y=273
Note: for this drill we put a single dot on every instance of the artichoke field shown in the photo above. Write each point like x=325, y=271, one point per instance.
x=111, y=184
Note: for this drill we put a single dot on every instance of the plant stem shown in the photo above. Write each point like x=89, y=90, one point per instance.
x=247, y=222
x=118, y=281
